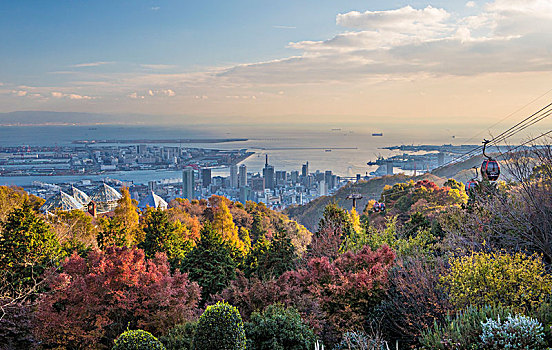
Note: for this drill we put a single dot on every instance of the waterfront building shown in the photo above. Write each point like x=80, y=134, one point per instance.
x=322, y=189
x=242, y=177
x=188, y=183
x=206, y=177
x=234, y=176
x=328, y=179
x=389, y=168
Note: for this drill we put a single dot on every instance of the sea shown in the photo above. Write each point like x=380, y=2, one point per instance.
x=345, y=150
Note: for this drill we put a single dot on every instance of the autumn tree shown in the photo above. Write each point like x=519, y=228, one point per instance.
x=334, y=226
x=123, y=229
x=74, y=229
x=98, y=297
x=225, y=226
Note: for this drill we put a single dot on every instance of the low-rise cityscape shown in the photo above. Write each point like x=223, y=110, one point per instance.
x=275, y=188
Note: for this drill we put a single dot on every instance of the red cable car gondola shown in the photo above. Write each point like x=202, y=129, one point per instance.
x=490, y=169
x=472, y=183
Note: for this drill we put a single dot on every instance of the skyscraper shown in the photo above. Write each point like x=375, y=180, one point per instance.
x=242, y=178
x=234, y=176
x=305, y=170
x=206, y=177
x=268, y=174
x=188, y=183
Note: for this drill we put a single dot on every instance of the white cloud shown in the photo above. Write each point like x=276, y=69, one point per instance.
x=155, y=8
x=284, y=27
x=471, y=4
x=20, y=93
x=428, y=21
x=158, y=66
x=90, y=64
x=57, y=94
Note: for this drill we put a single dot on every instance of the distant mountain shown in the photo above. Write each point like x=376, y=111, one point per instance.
x=309, y=214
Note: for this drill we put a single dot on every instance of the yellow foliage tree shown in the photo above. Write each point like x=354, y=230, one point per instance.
x=223, y=223
x=515, y=280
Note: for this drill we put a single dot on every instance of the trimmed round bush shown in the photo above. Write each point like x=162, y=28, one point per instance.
x=220, y=327
x=137, y=340
x=278, y=328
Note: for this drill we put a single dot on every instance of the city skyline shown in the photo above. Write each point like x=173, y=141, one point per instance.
x=352, y=62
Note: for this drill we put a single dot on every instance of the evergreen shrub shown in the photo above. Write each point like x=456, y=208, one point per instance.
x=220, y=327
x=278, y=328
x=137, y=340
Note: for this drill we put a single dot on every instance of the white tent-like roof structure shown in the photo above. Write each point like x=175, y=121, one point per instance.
x=104, y=194
x=61, y=201
x=80, y=196
x=153, y=201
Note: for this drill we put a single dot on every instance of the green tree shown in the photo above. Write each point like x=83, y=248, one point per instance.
x=270, y=259
x=161, y=235
x=27, y=246
x=278, y=328
x=210, y=263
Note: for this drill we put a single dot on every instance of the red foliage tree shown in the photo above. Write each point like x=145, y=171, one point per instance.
x=95, y=299
x=333, y=297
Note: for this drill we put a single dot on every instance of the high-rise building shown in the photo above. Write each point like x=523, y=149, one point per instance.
x=281, y=177
x=257, y=184
x=305, y=170
x=242, y=177
x=294, y=177
x=328, y=179
x=206, y=177
x=268, y=174
x=188, y=183
x=322, y=188
x=234, y=176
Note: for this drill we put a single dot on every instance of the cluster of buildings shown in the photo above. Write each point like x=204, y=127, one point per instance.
x=276, y=188
x=83, y=159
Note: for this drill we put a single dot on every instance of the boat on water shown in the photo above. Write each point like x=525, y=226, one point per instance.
x=377, y=134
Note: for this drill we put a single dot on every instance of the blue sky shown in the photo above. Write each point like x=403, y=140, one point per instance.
x=263, y=59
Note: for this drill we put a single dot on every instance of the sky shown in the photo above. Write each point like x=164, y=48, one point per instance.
x=279, y=62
